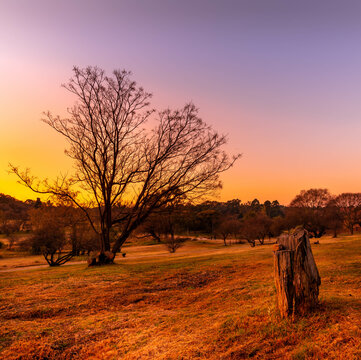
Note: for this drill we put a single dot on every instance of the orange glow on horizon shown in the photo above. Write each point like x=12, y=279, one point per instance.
x=286, y=94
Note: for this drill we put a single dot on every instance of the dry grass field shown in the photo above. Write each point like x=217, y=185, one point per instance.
x=206, y=301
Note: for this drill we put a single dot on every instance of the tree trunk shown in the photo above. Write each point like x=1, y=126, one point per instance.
x=296, y=276
x=251, y=242
x=105, y=239
x=119, y=242
x=102, y=258
x=155, y=236
x=105, y=256
x=74, y=241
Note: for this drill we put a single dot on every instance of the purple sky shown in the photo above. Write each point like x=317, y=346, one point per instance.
x=281, y=78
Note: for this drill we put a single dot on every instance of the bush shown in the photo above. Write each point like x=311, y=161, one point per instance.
x=173, y=243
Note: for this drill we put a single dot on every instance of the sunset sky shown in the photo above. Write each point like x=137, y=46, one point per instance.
x=281, y=78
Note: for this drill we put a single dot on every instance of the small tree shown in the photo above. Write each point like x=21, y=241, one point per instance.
x=163, y=225
x=256, y=226
x=227, y=228
x=309, y=209
x=173, y=243
x=168, y=225
x=349, y=206
x=122, y=170
x=49, y=236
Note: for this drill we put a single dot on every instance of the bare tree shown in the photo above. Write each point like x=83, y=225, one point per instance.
x=163, y=225
x=228, y=227
x=312, y=198
x=173, y=243
x=169, y=224
x=256, y=226
x=122, y=170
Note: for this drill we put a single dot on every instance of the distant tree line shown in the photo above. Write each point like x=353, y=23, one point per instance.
x=61, y=231
x=315, y=209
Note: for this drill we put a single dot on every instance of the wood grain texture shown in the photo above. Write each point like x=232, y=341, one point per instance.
x=296, y=276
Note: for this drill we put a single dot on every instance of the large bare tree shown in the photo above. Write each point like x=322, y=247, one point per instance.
x=123, y=170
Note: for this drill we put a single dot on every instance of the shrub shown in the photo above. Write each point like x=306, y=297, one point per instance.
x=173, y=243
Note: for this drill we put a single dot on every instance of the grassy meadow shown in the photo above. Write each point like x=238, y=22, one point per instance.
x=206, y=301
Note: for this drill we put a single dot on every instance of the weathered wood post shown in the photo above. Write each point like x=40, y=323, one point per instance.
x=296, y=276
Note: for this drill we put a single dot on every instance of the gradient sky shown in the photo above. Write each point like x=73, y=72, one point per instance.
x=281, y=78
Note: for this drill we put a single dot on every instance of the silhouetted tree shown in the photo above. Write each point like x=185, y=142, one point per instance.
x=228, y=227
x=255, y=206
x=256, y=226
x=121, y=165
x=312, y=199
x=273, y=209
x=173, y=243
x=49, y=235
x=164, y=225
x=308, y=209
x=233, y=207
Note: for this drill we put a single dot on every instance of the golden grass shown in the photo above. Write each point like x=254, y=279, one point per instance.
x=205, y=302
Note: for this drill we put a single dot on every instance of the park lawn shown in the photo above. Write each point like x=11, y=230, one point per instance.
x=215, y=305
x=10, y=260
x=16, y=259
